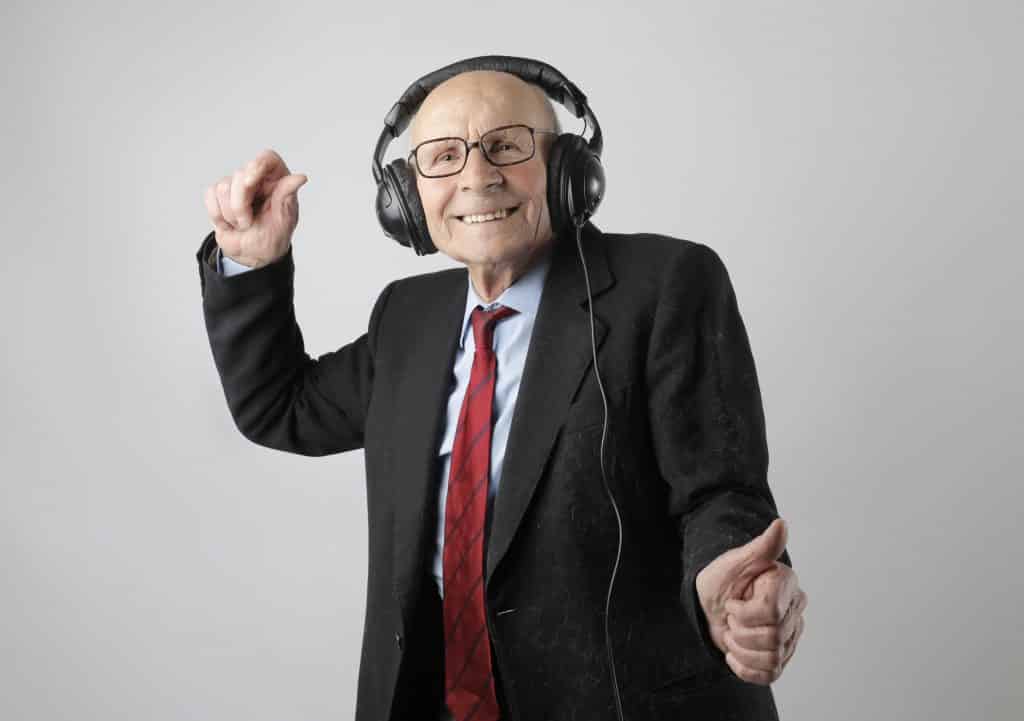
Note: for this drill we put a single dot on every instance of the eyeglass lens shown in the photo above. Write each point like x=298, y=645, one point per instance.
x=502, y=146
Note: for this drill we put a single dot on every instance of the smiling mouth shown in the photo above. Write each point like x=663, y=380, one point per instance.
x=489, y=217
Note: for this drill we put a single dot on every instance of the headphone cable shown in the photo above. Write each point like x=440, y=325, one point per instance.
x=604, y=479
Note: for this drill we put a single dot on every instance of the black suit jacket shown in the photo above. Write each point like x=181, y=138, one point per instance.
x=686, y=459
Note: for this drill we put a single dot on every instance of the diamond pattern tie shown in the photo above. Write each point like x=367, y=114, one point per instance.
x=469, y=679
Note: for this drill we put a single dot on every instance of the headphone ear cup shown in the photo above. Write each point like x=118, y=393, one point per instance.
x=389, y=212
x=420, y=234
x=403, y=218
x=575, y=182
x=557, y=184
x=588, y=181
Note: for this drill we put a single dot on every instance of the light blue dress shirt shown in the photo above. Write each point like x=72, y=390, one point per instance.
x=511, y=342
x=229, y=267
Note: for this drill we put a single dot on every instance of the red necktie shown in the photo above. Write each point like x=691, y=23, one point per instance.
x=469, y=680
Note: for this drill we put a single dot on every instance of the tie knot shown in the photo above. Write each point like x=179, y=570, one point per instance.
x=483, y=324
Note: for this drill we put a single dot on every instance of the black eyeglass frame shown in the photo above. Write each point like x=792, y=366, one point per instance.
x=469, y=148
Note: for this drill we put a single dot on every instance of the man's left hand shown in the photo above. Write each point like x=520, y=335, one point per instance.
x=754, y=606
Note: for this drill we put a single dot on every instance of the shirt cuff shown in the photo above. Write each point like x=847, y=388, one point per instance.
x=229, y=267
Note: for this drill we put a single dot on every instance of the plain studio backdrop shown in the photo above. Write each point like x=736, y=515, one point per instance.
x=856, y=165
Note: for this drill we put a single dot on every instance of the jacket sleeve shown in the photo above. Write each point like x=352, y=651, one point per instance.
x=707, y=421
x=280, y=397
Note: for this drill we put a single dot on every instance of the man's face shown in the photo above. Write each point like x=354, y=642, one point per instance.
x=467, y=106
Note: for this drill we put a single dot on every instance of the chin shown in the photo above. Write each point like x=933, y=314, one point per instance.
x=463, y=246
x=471, y=247
x=490, y=252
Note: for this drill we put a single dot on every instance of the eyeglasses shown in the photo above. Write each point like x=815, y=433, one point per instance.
x=507, y=145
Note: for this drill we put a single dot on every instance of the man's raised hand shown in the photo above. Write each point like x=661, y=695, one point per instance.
x=255, y=211
x=754, y=606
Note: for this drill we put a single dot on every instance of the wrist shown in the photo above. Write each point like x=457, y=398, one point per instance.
x=254, y=262
x=242, y=260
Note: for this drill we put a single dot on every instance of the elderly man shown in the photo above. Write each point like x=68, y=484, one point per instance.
x=486, y=605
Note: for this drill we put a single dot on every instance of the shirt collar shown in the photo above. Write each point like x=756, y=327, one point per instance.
x=523, y=295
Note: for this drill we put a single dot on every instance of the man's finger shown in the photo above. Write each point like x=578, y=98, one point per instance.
x=265, y=168
x=268, y=164
x=284, y=196
x=268, y=167
x=769, y=661
x=788, y=622
x=770, y=634
x=766, y=610
x=796, y=608
x=243, y=186
x=790, y=646
x=223, y=190
x=759, y=638
x=749, y=675
x=213, y=209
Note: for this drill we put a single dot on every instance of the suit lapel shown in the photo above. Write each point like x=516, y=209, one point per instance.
x=557, y=359
x=423, y=394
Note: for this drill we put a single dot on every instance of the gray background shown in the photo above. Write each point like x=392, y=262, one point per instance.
x=856, y=165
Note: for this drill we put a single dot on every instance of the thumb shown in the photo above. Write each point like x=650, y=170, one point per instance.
x=286, y=189
x=765, y=549
x=738, y=566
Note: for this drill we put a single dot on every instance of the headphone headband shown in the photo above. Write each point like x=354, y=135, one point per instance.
x=558, y=87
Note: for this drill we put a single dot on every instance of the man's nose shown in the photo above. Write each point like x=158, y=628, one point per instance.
x=478, y=172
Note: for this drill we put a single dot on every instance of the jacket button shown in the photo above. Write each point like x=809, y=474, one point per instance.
x=398, y=641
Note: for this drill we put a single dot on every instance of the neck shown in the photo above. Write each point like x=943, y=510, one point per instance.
x=491, y=280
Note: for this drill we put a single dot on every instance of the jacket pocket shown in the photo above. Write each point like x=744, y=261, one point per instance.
x=587, y=410
x=690, y=682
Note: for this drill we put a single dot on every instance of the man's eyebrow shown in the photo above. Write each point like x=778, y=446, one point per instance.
x=413, y=146
x=438, y=136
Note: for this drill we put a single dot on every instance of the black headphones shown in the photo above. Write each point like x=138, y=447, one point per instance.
x=575, y=175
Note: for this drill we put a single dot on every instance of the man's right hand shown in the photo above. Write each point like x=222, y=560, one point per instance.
x=255, y=211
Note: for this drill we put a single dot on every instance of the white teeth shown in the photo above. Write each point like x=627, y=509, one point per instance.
x=497, y=215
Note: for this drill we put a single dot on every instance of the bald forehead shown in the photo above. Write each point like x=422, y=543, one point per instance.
x=470, y=103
